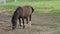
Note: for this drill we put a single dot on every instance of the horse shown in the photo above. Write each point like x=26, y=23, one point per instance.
x=22, y=12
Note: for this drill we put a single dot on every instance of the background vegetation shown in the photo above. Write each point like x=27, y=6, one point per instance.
x=40, y=6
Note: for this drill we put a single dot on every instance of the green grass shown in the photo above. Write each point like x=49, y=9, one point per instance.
x=40, y=6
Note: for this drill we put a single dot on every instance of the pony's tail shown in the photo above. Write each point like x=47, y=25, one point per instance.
x=32, y=9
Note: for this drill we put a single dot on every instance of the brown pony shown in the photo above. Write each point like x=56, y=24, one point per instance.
x=23, y=12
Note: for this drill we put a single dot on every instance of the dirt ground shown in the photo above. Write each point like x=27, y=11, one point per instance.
x=37, y=28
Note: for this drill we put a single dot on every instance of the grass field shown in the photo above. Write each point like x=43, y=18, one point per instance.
x=52, y=7
x=41, y=8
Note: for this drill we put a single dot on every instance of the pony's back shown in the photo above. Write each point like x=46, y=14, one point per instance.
x=27, y=11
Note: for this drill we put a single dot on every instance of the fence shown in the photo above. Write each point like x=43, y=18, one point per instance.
x=5, y=1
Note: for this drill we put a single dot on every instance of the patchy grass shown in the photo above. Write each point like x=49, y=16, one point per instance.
x=50, y=25
x=56, y=32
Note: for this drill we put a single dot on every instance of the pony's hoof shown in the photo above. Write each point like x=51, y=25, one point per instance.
x=23, y=27
x=13, y=28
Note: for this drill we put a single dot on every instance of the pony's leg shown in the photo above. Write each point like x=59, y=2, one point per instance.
x=30, y=20
x=20, y=21
x=23, y=23
x=27, y=20
x=14, y=24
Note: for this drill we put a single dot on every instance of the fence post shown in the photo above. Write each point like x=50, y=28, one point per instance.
x=15, y=0
x=5, y=2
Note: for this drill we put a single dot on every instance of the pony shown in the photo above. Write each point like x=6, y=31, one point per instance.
x=24, y=12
